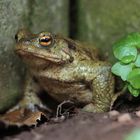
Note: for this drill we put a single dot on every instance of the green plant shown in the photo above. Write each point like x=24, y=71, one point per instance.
x=128, y=65
x=134, y=135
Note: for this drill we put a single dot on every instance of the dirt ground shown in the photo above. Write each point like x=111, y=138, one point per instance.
x=83, y=125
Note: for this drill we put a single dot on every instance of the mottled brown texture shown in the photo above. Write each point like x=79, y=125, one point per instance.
x=65, y=72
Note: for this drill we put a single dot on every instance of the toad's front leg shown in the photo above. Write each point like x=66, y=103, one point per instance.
x=30, y=97
x=29, y=109
x=103, y=93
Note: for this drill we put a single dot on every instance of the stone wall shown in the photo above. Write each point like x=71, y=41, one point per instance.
x=49, y=15
x=101, y=22
x=12, y=14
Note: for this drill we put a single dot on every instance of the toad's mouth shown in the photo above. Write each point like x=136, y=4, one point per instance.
x=47, y=56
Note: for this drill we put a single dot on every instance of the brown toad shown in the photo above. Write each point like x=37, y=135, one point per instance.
x=65, y=69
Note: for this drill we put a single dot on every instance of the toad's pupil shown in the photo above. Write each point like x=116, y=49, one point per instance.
x=45, y=40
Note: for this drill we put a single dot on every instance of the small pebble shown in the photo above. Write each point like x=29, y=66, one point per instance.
x=125, y=118
x=113, y=114
x=138, y=113
x=105, y=117
x=58, y=119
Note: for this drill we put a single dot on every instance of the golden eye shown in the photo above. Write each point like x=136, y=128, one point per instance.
x=45, y=40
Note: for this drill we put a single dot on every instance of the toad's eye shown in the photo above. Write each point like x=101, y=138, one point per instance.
x=45, y=40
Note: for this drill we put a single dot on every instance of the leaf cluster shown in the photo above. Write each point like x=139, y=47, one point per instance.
x=128, y=65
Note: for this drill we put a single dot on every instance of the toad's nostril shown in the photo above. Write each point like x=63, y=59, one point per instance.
x=16, y=37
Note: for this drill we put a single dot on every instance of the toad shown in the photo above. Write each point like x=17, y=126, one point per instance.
x=66, y=70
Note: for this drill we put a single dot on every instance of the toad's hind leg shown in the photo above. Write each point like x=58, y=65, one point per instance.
x=103, y=93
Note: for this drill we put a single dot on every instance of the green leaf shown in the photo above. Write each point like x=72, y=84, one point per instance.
x=137, y=62
x=121, y=70
x=133, y=39
x=134, y=78
x=127, y=47
x=126, y=54
x=134, y=135
x=128, y=59
x=134, y=92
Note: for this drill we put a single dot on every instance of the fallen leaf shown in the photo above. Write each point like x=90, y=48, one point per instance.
x=22, y=117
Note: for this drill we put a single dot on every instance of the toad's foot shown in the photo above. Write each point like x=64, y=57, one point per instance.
x=94, y=108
